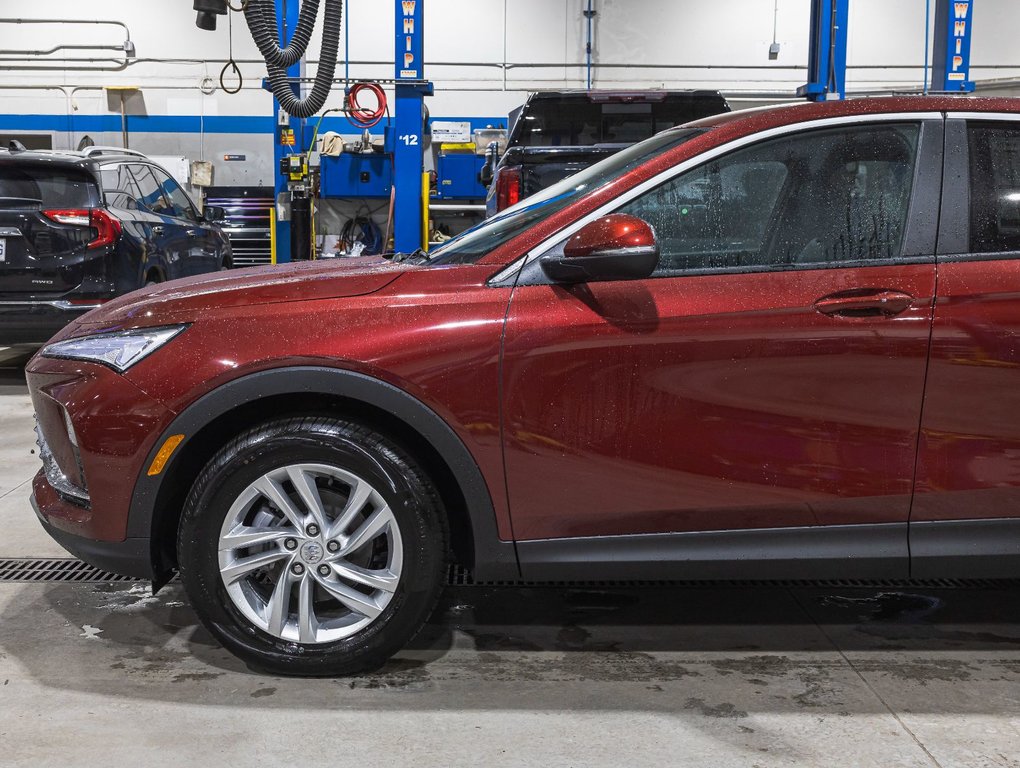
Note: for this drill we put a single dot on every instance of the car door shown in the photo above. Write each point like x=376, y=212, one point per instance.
x=197, y=238
x=966, y=514
x=767, y=377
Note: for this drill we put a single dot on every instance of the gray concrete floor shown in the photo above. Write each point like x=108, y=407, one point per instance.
x=106, y=674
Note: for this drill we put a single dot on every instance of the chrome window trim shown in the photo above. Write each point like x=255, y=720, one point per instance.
x=508, y=274
x=62, y=305
x=1003, y=116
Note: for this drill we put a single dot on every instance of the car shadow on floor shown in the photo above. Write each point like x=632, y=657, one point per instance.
x=810, y=645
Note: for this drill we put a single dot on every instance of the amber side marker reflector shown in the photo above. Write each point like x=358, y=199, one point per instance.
x=164, y=454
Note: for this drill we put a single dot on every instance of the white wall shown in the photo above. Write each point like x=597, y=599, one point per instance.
x=721, y=44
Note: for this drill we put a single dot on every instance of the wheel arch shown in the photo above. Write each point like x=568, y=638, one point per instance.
x=217, y=416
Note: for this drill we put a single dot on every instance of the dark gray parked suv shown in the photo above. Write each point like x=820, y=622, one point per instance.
x=80, y=228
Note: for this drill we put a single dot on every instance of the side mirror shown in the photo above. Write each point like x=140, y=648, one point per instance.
x=491, y=159
x=214, y=214
x=616, y=247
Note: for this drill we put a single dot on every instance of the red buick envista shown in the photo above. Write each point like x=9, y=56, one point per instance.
x=778, y=343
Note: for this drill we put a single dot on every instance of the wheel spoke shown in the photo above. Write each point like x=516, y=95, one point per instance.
x=305, y=486
x=368, y=530
x=385, y=580
x=308, y=626
x=278, y=607
x=244, y=536
x=246, y=565
x=350, y=597
x=360, y=494
x=272, y=491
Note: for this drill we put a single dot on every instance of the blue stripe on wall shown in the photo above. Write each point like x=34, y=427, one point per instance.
x=191, y=123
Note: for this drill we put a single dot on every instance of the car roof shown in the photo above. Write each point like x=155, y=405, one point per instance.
x=66, y=157
x=762, y=118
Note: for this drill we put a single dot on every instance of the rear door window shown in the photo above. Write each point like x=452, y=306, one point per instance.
x=119, y=188
x=150, y=191
x=994, y=187
x=180, y=205
x=47, y=186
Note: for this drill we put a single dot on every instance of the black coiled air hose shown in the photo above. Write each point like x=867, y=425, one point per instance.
x=262, y=25
x=261, y=18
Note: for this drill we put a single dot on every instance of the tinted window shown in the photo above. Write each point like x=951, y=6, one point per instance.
x=179, y=203
x=52, y=187
x=480, y=240
x=829, y=196
x=151, y=193
x=579, y=120
x=995, y=187
x=119, y=187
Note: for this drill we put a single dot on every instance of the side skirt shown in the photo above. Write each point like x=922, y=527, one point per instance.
x=832, y=552
x=975, y=549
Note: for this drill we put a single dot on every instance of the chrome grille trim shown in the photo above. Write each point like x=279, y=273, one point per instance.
x=54, y=474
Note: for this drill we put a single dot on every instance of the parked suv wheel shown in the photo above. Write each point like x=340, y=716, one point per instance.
x=313, y=546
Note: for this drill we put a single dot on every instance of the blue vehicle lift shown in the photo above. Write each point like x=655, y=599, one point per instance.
x=407, y=139
x=951, y=56
x=827, y=53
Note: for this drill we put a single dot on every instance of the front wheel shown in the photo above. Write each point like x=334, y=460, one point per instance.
x=313, y=546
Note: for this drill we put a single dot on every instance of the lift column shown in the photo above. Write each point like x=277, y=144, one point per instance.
x=827, y=54
x=411, y=89
x=288, y=131
x=950, y=59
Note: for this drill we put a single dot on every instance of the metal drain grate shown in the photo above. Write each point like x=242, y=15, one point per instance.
x=27, y=570
x=55, y=569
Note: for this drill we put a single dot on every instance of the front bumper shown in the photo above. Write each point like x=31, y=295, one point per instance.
x=114, y=426
x=131, y=557
x=36, y=322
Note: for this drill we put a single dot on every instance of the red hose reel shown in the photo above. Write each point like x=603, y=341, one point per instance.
x=361, y=116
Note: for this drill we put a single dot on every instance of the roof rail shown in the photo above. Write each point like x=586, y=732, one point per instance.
x=90, y=151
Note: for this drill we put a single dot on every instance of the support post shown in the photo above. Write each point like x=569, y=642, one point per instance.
x=287, y=12
x=827, y=54
x=408, y=159
x=951, y=52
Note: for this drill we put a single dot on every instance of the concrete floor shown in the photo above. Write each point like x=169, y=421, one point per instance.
x=106, y=674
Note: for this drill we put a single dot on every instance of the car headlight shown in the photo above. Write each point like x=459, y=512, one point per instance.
x=118, y=350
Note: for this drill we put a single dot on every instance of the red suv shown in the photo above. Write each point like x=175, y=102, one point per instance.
x=769, y=344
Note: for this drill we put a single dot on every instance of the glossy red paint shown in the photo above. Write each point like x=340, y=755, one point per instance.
x=711, y=402
x=617, y=230
x=970, y=437
x=694, y=403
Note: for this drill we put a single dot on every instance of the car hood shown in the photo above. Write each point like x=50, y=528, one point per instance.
x=304, y=281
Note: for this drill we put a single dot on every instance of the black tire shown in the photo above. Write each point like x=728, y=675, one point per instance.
x=407, y=490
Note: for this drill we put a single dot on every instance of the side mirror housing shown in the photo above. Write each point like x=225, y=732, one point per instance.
x=491, y=159
x=615, y=247
x=214, y=214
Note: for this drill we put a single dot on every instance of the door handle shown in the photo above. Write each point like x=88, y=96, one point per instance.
x=157, y=229
x=192, y=232
x=865, y=302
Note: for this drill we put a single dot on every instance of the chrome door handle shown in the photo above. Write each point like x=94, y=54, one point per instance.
x=865, y=302
x=157, y=229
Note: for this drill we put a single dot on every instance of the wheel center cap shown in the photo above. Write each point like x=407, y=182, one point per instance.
x=312, y=552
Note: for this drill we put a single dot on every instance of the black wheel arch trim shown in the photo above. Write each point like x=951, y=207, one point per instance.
x=493, y=557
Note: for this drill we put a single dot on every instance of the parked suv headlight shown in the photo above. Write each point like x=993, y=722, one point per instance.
x=118, y=350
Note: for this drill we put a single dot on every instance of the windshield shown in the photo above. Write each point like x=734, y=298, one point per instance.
x=476, y=242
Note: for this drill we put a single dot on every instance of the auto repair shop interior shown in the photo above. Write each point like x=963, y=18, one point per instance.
x=546, y=382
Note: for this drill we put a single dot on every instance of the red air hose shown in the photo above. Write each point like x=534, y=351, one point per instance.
x=364, y=117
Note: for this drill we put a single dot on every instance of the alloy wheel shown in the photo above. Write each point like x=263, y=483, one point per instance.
x=310, y=553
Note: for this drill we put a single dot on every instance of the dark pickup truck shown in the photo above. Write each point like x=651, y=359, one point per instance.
x=555, y=134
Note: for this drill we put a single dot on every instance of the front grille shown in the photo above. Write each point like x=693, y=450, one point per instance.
x=55, y=475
